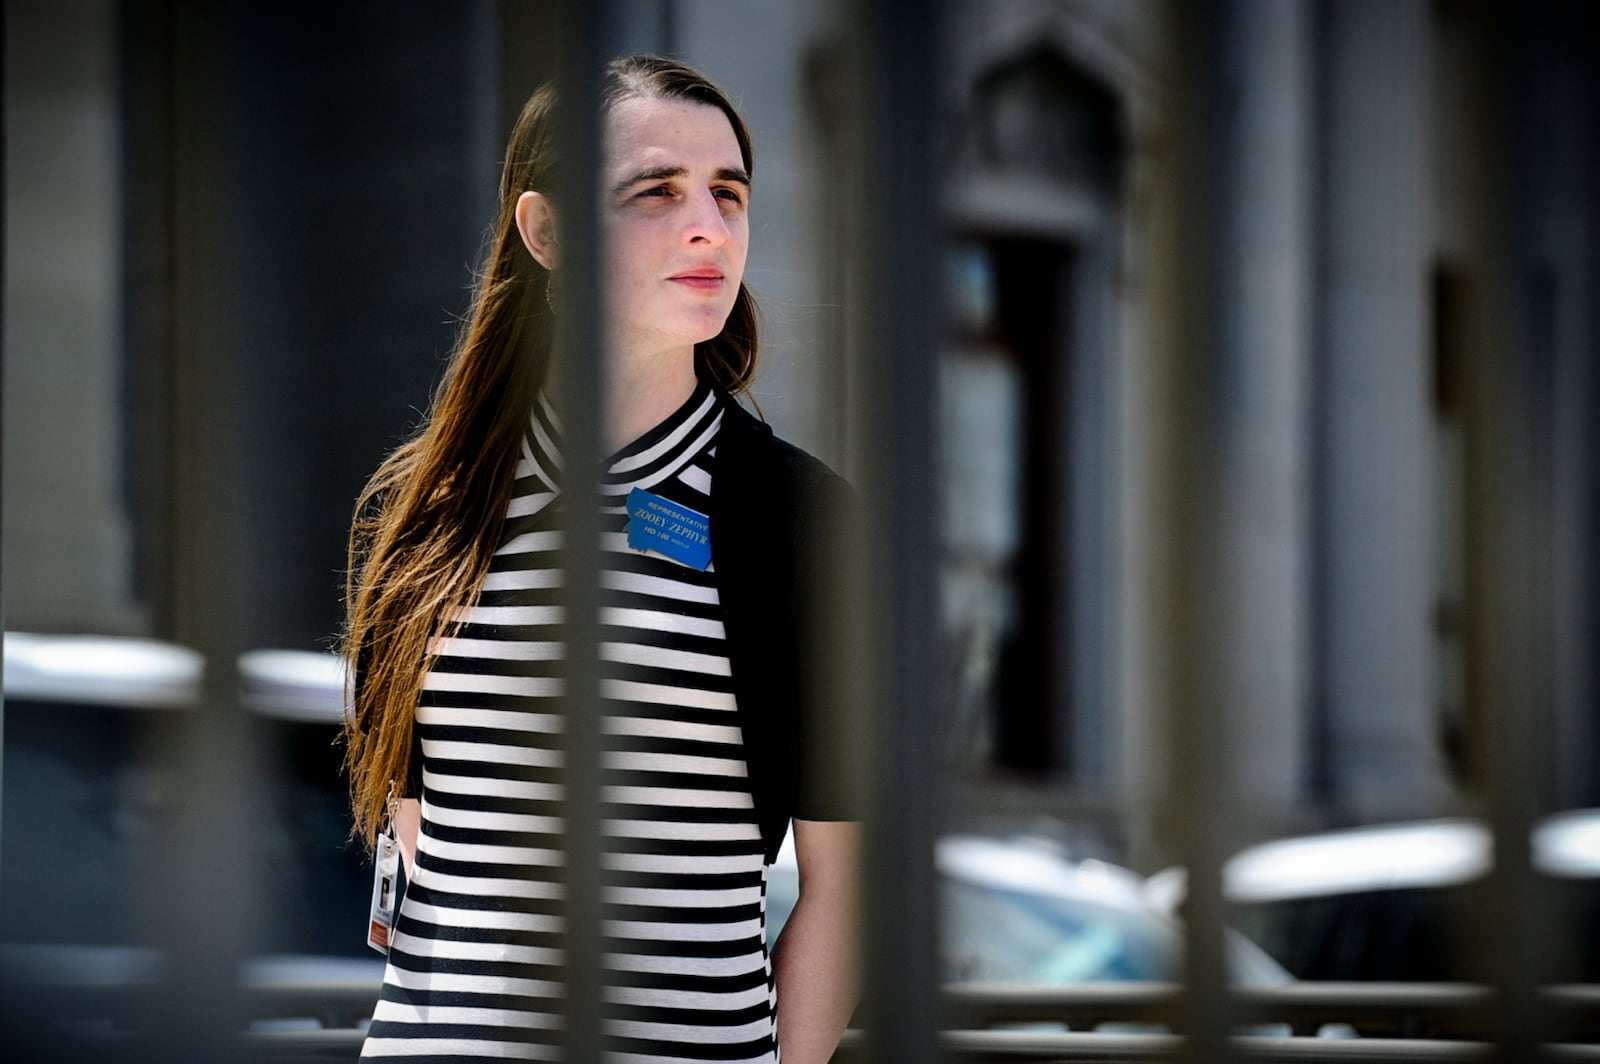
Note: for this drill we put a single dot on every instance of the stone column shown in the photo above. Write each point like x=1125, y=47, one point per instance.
x=1222, y=628
x=1265, y=443
x=1375, y=687
x=68, y=558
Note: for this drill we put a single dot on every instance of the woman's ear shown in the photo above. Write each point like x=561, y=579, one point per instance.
x=536, y=221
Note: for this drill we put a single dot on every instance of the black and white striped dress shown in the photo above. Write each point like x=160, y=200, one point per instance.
x=475, y=968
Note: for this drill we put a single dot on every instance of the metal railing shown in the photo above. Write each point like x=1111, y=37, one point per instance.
x=315, y=1008
x=198, y=1004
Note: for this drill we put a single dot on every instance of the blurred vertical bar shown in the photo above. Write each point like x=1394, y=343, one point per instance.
x=585, y=35
x=3, y=171
x=1193, y=650
x=1508, y=592
x=1237, y=334
x=203, y=894
x=894, y=340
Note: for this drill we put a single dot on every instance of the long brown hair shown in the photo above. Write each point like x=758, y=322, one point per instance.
x=429, y=520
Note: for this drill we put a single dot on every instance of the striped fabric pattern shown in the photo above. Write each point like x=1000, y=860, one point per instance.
x=475, y=970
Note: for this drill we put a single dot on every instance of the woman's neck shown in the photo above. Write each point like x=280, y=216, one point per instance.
x=641, y=394
x=637, y=394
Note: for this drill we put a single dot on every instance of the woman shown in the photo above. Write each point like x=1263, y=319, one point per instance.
x=456, y=647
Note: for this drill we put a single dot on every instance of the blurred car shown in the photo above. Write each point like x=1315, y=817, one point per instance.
x=1395, y=903
x=1017, y=911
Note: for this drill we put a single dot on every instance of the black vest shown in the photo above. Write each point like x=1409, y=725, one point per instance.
x=774, y=509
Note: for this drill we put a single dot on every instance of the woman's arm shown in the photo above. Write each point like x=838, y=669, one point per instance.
x=407, y=823
x=816, y=958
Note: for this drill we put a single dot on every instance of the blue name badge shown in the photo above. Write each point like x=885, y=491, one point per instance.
x=673, y=531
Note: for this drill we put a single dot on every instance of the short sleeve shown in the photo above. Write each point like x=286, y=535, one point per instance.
x=831, y=732
x=414, y=763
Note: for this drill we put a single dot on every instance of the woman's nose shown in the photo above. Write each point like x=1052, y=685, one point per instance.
x=705, y=221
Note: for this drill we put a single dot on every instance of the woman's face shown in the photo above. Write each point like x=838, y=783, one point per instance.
x=676, y=197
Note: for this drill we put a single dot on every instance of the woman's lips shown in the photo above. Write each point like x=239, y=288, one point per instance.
x=700, y=280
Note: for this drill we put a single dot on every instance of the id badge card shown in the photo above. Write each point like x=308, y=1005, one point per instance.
x=385, y=891
x=664, y=527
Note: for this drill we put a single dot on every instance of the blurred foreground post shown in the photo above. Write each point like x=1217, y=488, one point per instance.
x=893, y=257
x=584, y=33
x=1236, y=333
x=202, y=894
x=1510, y=599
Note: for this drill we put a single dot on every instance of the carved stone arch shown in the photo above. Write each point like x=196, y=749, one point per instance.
x=1049, y=94
x=1038, y=113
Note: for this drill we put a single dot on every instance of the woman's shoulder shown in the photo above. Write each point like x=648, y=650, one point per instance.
x=750, y=450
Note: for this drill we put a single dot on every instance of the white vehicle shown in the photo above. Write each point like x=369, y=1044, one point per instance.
x=1389, y=903
x=1017, y=911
